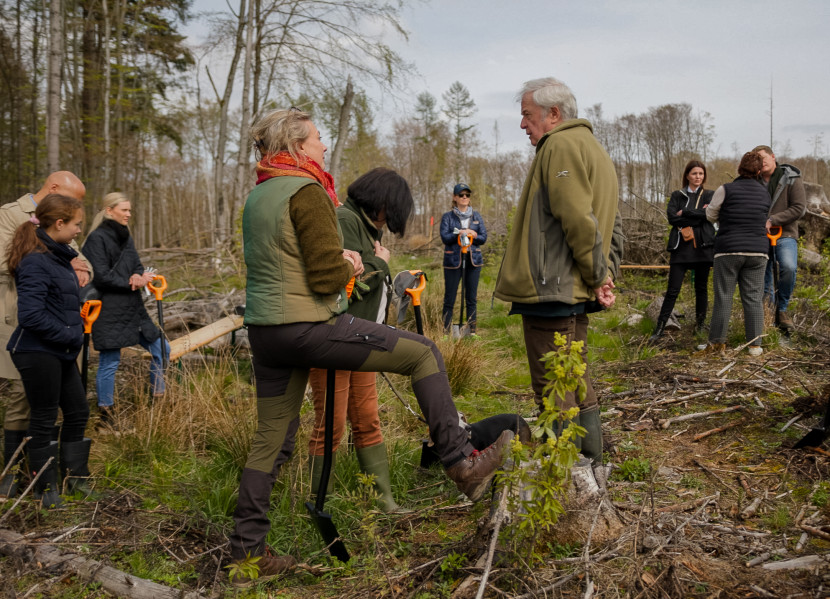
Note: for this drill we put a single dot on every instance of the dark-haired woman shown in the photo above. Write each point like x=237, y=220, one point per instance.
x=380, y=197
x=691, y=243
x=462, y=226
x=47, y=341
x=741, y=247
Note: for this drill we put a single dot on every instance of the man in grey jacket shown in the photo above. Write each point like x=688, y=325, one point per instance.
x=12, y=215
x=789, y=203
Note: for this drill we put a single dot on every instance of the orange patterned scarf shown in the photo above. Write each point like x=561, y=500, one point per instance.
x=282, y=164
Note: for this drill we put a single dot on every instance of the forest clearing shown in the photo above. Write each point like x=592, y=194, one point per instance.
x=713, y=506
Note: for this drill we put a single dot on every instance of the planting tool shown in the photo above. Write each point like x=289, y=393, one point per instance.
x=158, y=290
x=89, y=313
x=461, y=329
x=322, y=520
x=819, y=434
x=415, y=294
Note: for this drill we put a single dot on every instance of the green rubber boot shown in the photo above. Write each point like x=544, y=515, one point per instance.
x=373, y=460
x=592, y=442
x=316, y=469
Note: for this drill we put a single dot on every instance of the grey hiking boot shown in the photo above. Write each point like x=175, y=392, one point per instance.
x=473, y=474
x=268, y=566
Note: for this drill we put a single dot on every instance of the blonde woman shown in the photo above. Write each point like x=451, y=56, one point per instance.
x=123, y=320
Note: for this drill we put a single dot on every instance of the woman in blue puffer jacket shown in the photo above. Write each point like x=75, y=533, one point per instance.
x=462, y=225
x=47, y=340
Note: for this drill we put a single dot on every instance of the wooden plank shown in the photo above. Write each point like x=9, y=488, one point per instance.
x=200, y=337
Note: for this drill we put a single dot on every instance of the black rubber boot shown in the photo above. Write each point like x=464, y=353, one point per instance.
x=592, y=443
x=10, y=484
x=700, y=323
x=47, y=486
x=658, y=331
x=75, y=468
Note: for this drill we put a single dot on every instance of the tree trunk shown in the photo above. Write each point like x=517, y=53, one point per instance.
x=243, y=167
x=53, y=92
x=113, y=581
x=222, y=233
x=342, y=129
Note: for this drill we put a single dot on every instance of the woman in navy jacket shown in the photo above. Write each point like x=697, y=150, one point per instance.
x=460, y=225
x=47, y=340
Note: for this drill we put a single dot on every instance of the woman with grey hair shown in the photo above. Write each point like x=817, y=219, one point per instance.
x=297, y=271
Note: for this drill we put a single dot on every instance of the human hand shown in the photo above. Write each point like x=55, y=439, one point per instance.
x=679, y=213
x=136, y=282
x=381, y=252
x=768, y=225
x=357, y=262
x=605, y=295
x=81, y=271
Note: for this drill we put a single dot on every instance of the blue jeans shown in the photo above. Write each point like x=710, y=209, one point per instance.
x=786, y=253
x=108, y=361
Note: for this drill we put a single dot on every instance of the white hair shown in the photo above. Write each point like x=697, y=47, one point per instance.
x=549, y=92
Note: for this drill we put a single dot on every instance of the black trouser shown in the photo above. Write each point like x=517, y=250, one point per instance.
x=52, y=383
x=282, y=356
x=452, y=276
x=677, y=272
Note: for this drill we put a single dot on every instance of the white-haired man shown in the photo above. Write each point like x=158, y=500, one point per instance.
x=566, y=241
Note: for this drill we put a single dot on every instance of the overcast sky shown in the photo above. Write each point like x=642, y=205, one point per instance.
x=629, y=55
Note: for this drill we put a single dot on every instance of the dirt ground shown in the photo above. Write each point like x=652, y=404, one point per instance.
x=736, y=513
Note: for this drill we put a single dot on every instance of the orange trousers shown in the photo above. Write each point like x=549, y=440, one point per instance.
x=355, y=397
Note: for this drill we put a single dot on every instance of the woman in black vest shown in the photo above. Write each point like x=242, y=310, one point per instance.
x=691, y=243
x=741, y=248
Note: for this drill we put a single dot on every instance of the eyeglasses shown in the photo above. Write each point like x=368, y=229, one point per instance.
x=464, y=195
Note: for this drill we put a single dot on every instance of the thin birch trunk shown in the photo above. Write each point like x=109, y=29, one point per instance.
x=53, y=92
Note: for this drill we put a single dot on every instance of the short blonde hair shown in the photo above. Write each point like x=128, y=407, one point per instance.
x=282, y=130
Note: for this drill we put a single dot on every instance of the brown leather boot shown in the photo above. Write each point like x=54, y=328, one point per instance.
x=473, y=474
x=269, y=567
x=784, y=321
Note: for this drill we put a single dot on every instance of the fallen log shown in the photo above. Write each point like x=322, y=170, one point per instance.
x=669, y=421
x=113, y=581
x=799, y=563
x=816, y=532
x=720, y=429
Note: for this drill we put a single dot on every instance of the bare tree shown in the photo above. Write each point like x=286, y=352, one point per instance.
x=53, y=92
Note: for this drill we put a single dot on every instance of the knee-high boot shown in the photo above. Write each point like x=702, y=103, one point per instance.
x=75, y=468
x=47, y=486
x=10, y=484
x=373, y=460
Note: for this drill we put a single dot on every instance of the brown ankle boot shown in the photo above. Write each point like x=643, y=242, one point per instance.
x=269, y=567
x=472, y=475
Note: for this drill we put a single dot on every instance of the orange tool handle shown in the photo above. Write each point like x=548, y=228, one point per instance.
x=161, y=288
x=350, y=287
x=89, y=312
x=464, y=248
x=415, y=292
x=774, y=237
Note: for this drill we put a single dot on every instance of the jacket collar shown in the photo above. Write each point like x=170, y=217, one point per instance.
x=60, y=250
x=370, y=226
x=569, y=124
